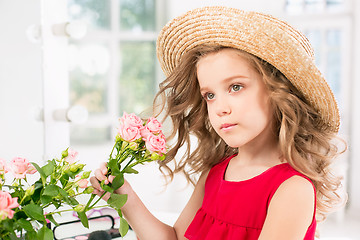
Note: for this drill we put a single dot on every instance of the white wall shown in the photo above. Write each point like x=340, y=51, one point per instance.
x=354, y=144
x=20, y=81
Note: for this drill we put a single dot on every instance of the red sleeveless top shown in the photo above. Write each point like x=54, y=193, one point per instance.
x=237, y=210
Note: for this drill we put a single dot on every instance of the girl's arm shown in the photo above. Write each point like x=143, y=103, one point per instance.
x=146, y=225
x=291, y=211
x=188, y=214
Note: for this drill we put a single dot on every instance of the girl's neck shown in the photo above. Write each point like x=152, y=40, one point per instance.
x=260, y=152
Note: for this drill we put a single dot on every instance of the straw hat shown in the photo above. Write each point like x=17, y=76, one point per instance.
x=259, y=34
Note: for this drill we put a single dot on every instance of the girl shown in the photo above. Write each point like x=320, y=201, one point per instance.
x=245, y=84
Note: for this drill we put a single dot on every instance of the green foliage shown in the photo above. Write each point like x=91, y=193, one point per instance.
x=57, y=178
x=84, y=220
x=124, y=156
x=124, y=227
x=34, y=211
x=117, y=201
x=45, y=233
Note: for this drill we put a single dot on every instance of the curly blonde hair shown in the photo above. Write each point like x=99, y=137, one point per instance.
x=305, y=146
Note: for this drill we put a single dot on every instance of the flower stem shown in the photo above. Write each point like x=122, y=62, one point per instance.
x=90, y=200
x=92, y=206
x=132, y=159
x=112, y=150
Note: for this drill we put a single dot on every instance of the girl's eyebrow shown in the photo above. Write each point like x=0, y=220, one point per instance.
x=226, y=80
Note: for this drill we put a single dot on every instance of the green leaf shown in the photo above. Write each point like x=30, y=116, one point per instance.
x=63, y=192
x=73, y=174
x=71, y=201
x=64, y=180
x=45, y=199
x=117, y=200
x=51, y=219
x=34, y=211
x=30, y=235
x=37, y=193
x=106, y=187
x=130, y=170
x=56, y=204
x=51, y=190
x=49, y=168
x=113, y=165
x=124, y=227
x=118, y=181
x=25, y=224
x=119, y=212
x=20, y=214
x=84, y=219
x=7, y=225
x=45, y=233
x=13, y=236
x=42, y=174
x=38, y=185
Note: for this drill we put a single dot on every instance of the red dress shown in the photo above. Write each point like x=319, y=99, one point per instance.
x=237, y=210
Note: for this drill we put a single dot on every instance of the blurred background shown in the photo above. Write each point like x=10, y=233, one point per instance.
x=68, y=70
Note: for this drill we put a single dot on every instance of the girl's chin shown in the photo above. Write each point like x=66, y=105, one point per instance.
x=232, y=144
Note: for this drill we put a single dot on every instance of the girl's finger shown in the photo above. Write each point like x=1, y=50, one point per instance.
x=99, y=175
x=95, y=182
x=103, y=167
x=111, y=178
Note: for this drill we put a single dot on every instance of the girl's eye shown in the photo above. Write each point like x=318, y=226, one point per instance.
x=209, y=96
x=236, y=87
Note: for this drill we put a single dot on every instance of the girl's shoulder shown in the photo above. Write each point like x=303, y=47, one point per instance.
x=290, y=182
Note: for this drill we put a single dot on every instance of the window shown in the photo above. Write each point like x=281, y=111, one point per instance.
x=114, y=67
x=327, y=25
x=315, y=6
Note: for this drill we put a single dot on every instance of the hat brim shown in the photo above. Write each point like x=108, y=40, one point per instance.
x=262, y=35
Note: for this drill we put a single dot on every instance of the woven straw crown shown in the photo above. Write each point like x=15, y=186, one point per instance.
x=259, y=34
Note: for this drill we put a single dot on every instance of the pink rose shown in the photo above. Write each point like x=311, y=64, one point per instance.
x=131, y=120
x=71, y=157
x=129, y=133
x=156, y=143
x=82, y=183
x=20, y=166
x=3, y=167
x=153, y=125
x=31, y=169
x=6, y=204
x=145, y=132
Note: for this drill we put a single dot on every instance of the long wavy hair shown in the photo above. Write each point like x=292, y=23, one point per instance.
x=307, y=147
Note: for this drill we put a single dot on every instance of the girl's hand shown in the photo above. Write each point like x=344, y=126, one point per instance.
x=100, y=175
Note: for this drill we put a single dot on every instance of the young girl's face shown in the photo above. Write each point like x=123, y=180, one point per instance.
x=237, y=99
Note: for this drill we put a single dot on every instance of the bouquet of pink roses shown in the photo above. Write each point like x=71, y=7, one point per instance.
x=26, y=209
x=137, y=142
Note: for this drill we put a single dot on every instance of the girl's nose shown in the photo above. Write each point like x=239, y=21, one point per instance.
x=223, y=108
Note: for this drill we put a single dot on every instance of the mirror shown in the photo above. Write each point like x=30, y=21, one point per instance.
x=20, y=82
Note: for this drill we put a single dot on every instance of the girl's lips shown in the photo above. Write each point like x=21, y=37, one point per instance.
x=227, y=126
